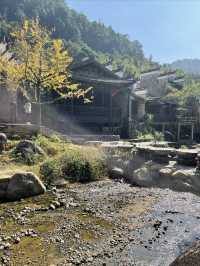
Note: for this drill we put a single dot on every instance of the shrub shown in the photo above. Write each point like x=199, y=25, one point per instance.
x=49, y=171
x=183, y=147
x=52, y=146
x=145, y=136
x=25, y=158
x=77, y=164
x=158, y=136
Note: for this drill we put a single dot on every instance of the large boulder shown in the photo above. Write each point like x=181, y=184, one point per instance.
x=153, y=174
x=190, y=258
x=26, y=150
x=165, y=176
x=3, y=142
x=27, y=146
x=4, y=181
x=147, y=175
x=186, y=180
x=24, y=184
x=142, y=177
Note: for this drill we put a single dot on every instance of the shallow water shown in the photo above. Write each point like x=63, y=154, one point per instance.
x=179, y=228
x=162, y=224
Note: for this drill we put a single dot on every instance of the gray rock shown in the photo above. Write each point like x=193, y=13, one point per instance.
x=60, y=183
x=7, y=245
x=147, y=175
x=52, y=207
x=3, y=141
x=26, y=148
x=116, y=173
x=142, y=177
x=24, y=184
x=186, y=180
x=17, y=240
x=151, y=174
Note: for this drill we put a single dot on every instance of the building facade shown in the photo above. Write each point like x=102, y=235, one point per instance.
x=110, y=108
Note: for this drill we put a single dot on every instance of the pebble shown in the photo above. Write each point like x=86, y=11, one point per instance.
x=17, y=240
x=7, y=245
x=90, y=259
x=52, y=207
x=56, y=204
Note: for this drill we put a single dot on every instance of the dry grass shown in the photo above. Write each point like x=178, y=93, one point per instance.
x=57, y=151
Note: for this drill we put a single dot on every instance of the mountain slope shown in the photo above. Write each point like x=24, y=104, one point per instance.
x=82, y=37
x=191, y=66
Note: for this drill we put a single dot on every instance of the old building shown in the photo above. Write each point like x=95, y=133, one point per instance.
x=112, y=110
x=109, y=111
x=176, y=124
x=118, y=103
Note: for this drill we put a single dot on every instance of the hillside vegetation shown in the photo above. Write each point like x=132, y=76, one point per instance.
x=190, y=66
x=81, y=36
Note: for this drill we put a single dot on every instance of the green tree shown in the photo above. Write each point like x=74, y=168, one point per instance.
x=39, y=64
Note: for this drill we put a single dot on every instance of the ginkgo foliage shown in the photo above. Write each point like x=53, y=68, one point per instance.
x=37, y=63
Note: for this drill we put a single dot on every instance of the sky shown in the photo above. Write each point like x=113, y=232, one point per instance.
x=168, y=29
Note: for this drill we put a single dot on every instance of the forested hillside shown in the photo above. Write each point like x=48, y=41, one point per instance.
x=81, y=36
x=190, y=66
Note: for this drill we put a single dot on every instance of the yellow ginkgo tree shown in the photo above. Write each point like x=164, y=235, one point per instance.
x=38, y=63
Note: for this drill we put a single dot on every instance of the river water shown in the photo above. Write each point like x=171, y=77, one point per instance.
x=171, y=228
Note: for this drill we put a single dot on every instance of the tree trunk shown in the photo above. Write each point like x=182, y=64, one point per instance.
x=39, y=113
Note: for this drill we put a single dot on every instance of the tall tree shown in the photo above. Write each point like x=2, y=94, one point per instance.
x=38, y=64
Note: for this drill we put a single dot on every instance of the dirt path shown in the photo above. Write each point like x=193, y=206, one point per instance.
x=101, y=223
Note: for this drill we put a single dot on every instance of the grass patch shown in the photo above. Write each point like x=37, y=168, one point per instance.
x=33, y=251
x=52, y=146
x=62, y=160
x=156, y=136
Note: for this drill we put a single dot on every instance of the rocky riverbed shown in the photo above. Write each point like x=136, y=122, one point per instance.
x=100, y=223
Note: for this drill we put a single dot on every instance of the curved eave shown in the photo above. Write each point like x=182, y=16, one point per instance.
x=103, y=81
x=90, y=61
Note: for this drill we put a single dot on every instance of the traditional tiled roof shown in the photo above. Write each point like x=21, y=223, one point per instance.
x=88, y=61
x=114, y=78
x=167, y=74
x=102, y=81
x=150, y=70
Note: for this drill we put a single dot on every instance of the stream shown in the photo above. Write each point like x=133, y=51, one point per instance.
x=176, y=228
x=101, y=223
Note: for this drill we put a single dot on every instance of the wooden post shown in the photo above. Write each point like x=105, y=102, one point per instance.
x=163, y=128
x=130, y=129
x=192, y=132
x=179, y=132
x=111, y=106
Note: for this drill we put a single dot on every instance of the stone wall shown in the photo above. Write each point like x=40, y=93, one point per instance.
x=19, y=129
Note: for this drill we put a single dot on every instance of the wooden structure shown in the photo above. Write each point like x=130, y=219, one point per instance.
x=178, y=125
x=110, y=111
x=169, y=119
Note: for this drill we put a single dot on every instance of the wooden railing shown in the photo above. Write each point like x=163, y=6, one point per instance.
x=187, y=117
